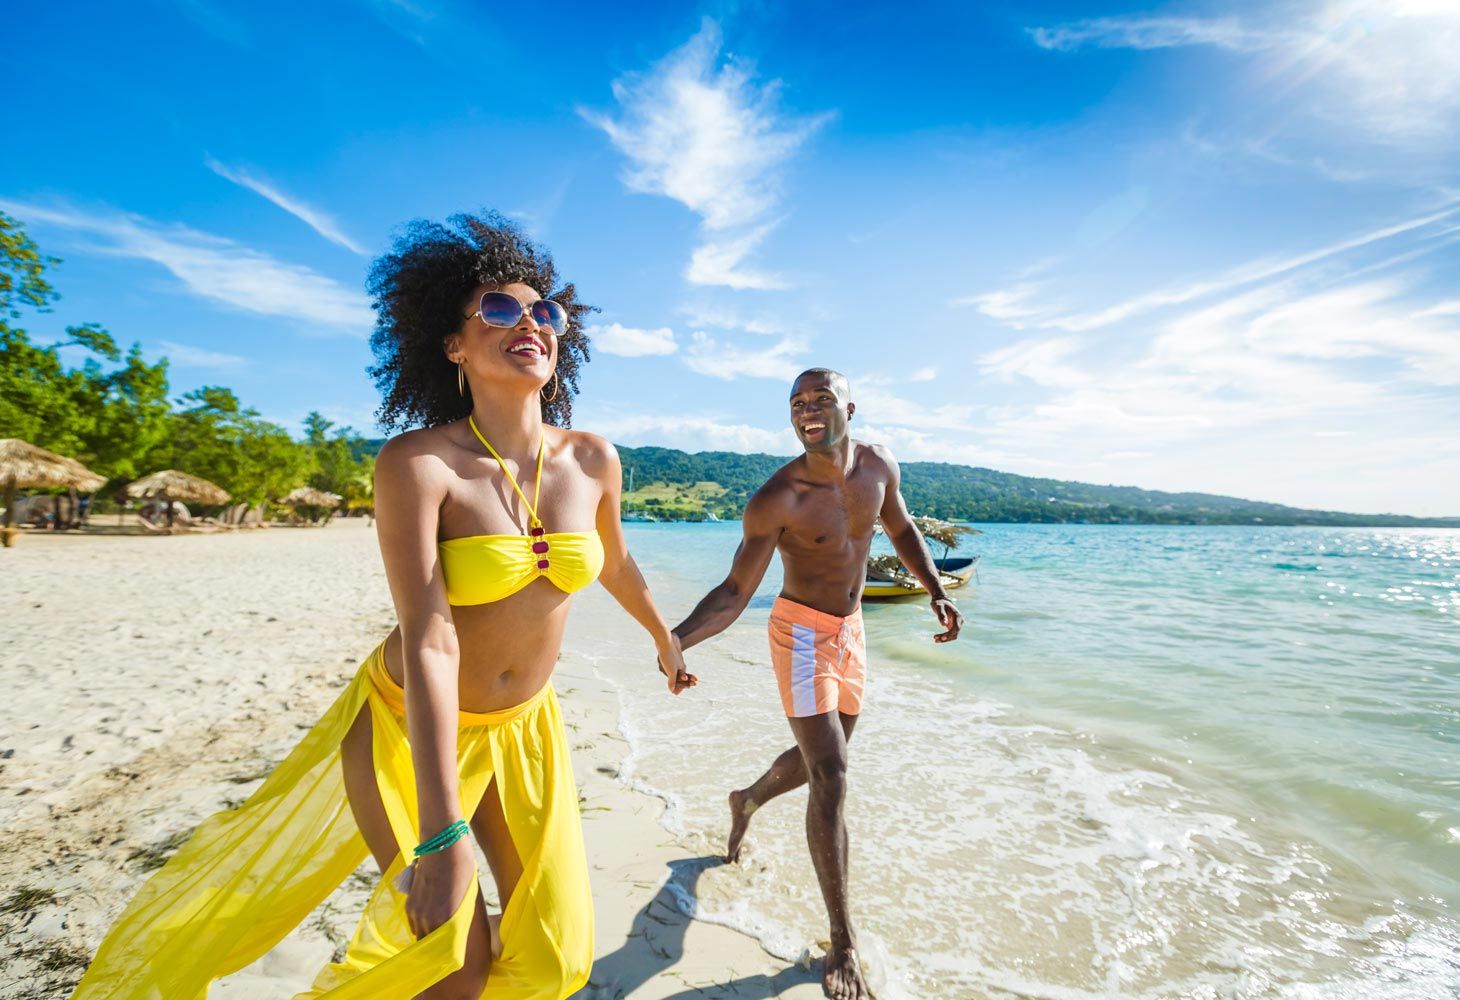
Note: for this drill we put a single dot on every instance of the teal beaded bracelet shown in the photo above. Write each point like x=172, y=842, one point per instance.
x=443, y=840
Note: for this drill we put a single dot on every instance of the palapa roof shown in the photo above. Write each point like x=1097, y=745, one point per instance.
x=943, y=531
x=308, y=496
x=175, y=485
x=939, y=530
x=24, y=466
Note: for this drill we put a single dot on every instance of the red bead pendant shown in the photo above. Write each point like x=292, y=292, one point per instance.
x=539, y=547
x=542, y=564
x=536, y=532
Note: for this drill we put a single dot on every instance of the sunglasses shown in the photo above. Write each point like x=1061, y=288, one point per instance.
x=502, y=310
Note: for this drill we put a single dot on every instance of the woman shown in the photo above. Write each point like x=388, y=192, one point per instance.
x=489, y=518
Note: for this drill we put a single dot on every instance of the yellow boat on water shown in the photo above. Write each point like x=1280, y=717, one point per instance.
x=888, y=578
x=956, y=572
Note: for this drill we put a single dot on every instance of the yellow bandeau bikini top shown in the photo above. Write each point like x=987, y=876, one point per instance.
x=480, y=569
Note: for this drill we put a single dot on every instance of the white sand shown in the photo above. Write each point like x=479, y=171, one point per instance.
x=149, y=681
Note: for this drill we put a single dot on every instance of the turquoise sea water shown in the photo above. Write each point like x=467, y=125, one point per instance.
x=1161, y=761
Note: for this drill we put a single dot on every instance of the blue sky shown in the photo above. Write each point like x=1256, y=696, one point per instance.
x=1187, y=246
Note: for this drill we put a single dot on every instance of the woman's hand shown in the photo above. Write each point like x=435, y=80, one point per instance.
x=438, y=887
x=671, y=665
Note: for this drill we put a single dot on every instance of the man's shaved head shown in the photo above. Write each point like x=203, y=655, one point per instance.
x=836, y=379
x=821, y=408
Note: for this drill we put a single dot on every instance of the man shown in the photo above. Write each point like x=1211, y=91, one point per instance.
x=819, y=511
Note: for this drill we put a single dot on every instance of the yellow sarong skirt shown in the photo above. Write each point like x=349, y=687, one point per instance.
x=248, y=876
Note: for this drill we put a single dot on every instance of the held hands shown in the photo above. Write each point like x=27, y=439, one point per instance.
x=949, y=617
x=438, y=886
x=671, y=665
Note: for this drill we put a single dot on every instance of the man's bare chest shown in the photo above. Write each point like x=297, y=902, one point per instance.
x=835, y=516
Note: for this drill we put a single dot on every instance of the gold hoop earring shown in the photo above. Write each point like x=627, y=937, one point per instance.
x=460, y=381
x=555, y=388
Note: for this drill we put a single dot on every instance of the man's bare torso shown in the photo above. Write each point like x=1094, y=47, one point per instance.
x=826, y=529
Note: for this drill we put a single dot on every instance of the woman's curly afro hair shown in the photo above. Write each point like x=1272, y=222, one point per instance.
x=419, y=289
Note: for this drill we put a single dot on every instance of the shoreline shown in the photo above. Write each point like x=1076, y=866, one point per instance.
x=221, y=668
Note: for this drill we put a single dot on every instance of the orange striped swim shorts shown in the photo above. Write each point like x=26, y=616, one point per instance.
x=820, y=659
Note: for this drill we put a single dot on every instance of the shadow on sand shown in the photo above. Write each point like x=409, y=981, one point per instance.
x=655, y=945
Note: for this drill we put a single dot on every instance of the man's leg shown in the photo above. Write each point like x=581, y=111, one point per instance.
x=786, y=774
x=823, y=746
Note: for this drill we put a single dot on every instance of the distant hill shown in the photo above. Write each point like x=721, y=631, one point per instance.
x=964, y=492
x=678, y=485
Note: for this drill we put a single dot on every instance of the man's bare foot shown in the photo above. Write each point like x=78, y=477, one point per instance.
x=741, y=809
x=841, y=975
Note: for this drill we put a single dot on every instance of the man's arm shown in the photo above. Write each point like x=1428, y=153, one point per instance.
x=907, y=542
x=762, y=528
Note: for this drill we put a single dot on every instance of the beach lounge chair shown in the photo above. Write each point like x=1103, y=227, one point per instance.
x=152, y=527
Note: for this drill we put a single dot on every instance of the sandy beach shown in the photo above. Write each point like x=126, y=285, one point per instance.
x=1091, y=822
x=152, y=681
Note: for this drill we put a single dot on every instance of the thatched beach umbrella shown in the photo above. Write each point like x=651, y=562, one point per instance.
x=317, y=501
x=940, y=531
x=943, y=531
x=308, y=496
x=170, y=484
x=24, y=466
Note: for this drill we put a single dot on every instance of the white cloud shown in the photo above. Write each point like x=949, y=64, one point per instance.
x=1283, y=354
x=1369, y=320
x=909, y=444
x=1040, y=359
x=628, y=342
x=727, y=319
x=1155, y=33
x=186, y=356
x=1448, y=308
x=923, y=375
x=311, y=217
x=1239, y=379
x=1014, y=306
x=702, y=130
x=1261, y=147
x=781, y=361
x=1383, y=69
x=212, y=267
x=718, y=262
x=694, y=433
x=877, y=404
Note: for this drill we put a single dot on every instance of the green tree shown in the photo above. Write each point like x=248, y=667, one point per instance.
x=199, y=441
x=114, y=411
x=107, y=419
x=22, y=271
x=343, y=465
x=273, y=462
x=130, y=417
x=37, y=395
x=214, y=436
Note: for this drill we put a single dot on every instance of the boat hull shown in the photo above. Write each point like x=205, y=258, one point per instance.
x=954, y=576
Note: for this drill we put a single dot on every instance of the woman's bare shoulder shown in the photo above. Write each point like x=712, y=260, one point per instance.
x=594, y=454
x=420, y=453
